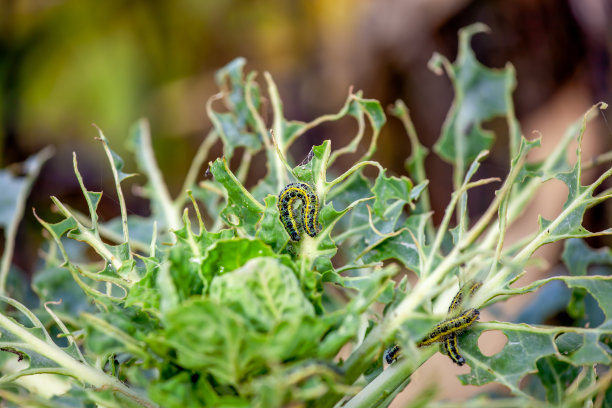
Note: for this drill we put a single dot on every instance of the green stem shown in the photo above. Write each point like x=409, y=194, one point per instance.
x=73, y=367
x=350, y=171
x=124, y=224
x=88, y=237
x=519, y=201
x=156, y=181
x=10, y=233
x=106, y=232
x=195, y=167
x=417, y=157
x=389, y=380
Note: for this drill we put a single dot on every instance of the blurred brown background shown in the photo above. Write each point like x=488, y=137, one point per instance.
x=67, y=64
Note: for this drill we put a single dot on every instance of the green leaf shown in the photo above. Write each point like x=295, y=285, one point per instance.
x=390, y=188
x=186, y=258
x=53, y=284
x=408, y=247
x=374, y=111
x=145, y=293
x=177, y=392
x=271, y=230
x=578, y=256
x=512, y=363
x=233, y=134
x=141, y=230
x=227, y=255
x=15, y=190
x=313, y=171
x=481, y=94
x=368, y=289
x=233, y=126
x=207, y=336
x=242, y=210
x=262, y=290
x=325, y=246
x=354, y=189
x=556, y=376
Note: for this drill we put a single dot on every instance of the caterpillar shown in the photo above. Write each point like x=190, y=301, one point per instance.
x=450, y=326
x=392, y=353
x=447, y=331
x=449, y=344
x=451, y=349
x=295, y=221
x=458, y=299
x=474, y=286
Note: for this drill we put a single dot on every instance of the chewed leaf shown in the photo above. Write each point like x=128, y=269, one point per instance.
x=528, y=344
x=374, y=111
x=390, y=188
x=271, y=231
x=401, y=247
x=313, y=169
x=236, y=126
x=11, y=188
x=242, y=209
x=578, y=256
x=232, y=133
x=408, y=246
x=15, y=190
x=481, y=94
x=555, y=376
x=115, y=160
x=600, y=287
x=517, y=359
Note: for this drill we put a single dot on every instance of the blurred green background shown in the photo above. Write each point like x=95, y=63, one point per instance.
x=65, y=64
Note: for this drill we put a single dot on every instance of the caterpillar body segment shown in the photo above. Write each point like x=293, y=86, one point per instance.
x=392, y=353
x=451, y=349
x=295, y=221
x=450, y=326
x=468, y=289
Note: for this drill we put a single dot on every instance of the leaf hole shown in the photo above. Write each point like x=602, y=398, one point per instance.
x=492, y=342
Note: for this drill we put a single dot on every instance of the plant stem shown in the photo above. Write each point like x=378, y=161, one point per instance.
x=33, y=166
x=389, y=380
x=74, y=367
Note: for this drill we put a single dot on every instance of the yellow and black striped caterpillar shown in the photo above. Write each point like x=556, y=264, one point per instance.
x=449, y=345
x=447, y=331
x=450, y=327
x=294, y=221
x=392, y=353
x=451, y=349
